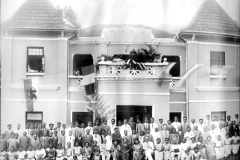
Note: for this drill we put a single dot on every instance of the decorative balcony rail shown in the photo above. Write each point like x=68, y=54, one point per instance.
x=114, y=69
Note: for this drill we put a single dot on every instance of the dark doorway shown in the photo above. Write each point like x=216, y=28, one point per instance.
x=175, y=71
x=175, y=114
x=82, y=117
x=127, y=111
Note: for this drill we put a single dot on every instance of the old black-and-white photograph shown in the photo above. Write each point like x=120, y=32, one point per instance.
x=120, y=79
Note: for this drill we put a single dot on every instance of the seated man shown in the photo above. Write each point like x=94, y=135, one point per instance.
x=148, y=148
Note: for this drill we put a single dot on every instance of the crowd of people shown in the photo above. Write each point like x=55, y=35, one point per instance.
x=209, y=139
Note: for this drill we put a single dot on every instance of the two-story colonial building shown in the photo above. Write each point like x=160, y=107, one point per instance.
x=37, y=43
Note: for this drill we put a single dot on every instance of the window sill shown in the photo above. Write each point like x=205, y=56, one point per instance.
x=34, y=74
x=218, y=76
x=75, y=77
x=232, y=89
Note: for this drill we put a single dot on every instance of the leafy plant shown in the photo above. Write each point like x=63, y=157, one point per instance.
x=99, y=107
x=144, y=55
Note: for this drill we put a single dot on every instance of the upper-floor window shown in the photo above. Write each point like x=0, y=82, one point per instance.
x=34, y=118
x=175, y=71
x=217, y=63
x=81, y=60
x=35, y=59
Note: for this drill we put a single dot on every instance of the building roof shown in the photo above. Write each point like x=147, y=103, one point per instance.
x=96, y=30
x=37, y=14
x=211, y=17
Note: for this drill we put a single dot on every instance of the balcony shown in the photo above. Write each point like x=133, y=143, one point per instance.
x=114, y=71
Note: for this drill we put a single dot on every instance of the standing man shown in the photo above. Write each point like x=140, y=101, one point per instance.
x=205, y=133
x=201, y=125
x=12, y=142
x=153, y=125
x=18, y=130
x=212, y=132
x=88, y=138
x=192, y=124
x=160, y=125
x=3, y=142
x=62, y=139
x=45, y=141
x=237, y=119
x=70, y=128
x=58, y=128
x=208, y=122
x=139, y=126
x=185, y=125
x=90, y=128
x=124, y=127
x=51, y=130
x=132, y=124
x=80, y=129
x=116, y=135
x=188, y=135
x=105, y=126
x=196, y=133
x=180, y=134
x=44, y=129
x=70, y=138
x=169, y=126
x=113, y=125
x=148, y=148
x=165, y=133
x=79, y=139
x=146, y=125
x=8, y=131
x=34, y=142
x=175, y=124
x=24, y=141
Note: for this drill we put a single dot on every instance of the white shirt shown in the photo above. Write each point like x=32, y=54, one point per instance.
x=213, y=134
x=19, y=132
x=21, y=155
x=152, y=127
x=71, y=140
x=188, y=135
x=96, y=137
x=41, y=153
x=176, y=124
x=156, y=135
x=148, y=145
x=125, y=127
x=221, y=132
x=192, y=125
x=112, y=126
x=91, y=130
x=200, y=127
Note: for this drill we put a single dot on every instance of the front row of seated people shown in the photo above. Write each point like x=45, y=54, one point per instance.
x=190, y=150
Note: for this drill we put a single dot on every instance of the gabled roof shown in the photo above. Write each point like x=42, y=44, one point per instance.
x=96, y=30
x=211, y=17
x=37, y=14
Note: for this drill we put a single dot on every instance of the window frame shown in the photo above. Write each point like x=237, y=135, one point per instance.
x=33, y=121
x=42, y=56
x=162, y=60
x=217, y=69
x=74, y=64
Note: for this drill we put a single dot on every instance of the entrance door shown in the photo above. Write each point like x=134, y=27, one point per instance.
x=82, y=117
x=175, y=114
x=127, y=111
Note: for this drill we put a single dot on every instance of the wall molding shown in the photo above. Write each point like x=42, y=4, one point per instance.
x=45, y=39
x=134, y=93
x=177, y=102
x=213, y=101
x=76, y=89
x=39, y=100
x=40, y=87
x=231, y=89
x=208, y=43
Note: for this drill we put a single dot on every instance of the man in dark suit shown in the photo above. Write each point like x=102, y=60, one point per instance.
x=44, y=140
x=79, y=139
x=106, y=127
x=132, y=124
x=185, y=125
x=116, y=135
x=88, y=138
x=54, y=139
x=169, y=126
x=180, y=134
x=34, y=142
x=24, y=141
x=146, y=125
x=235, y=128
x=44, y=129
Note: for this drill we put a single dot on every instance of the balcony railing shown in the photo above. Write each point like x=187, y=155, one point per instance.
x=115, y=70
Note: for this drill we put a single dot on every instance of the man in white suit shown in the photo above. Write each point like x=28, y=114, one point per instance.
x=124, y=127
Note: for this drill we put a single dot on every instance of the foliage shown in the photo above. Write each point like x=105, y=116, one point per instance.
x=70, y=16
x=99, y=107
x=143, y=55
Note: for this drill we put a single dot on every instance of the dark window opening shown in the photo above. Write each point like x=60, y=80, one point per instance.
x=175, y=71
x=172, y=115
x=81, y=60
x=34, y=118
x=82, y=117
x=137, y=112
x=35, y=59
x=217, y=62
x=122, y=56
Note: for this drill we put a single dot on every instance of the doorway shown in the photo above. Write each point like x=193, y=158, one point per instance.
x=127, y=111
x=175, y=114
x=82, y=117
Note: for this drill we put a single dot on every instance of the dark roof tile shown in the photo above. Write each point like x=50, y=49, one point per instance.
x=211, y=17
x=37, y=14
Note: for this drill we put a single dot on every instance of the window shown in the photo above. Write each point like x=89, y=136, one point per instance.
x=175, y=71
x=217, y=62
x=81, y=60
x=35, y=59
x=34, y=118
